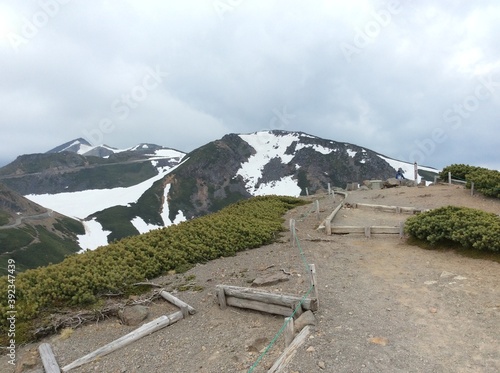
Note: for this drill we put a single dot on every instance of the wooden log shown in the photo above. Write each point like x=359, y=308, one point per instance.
x=48, y=359
x=259, y=306
x=384, y=230
x=289, y=331
x=177, y=302
x=328, y=220
x=280, y=299
x=297, y=308
x=144, y=330
x=287, y=355
x=221, y=296
x=336, y=229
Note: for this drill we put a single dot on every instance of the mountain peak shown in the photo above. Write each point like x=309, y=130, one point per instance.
x=71, y=146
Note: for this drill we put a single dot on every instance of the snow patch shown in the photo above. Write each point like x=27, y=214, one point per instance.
x=318, y=148
x=84, y=203
x=94, y=236
x=284, y=187
x=351, y=153
x=165, y=210
x=267, y=146
x=142, y=226
x=408, y=168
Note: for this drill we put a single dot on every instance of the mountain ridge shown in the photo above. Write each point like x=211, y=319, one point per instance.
x=148, y=186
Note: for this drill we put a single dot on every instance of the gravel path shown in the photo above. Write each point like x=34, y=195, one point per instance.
x=385, y=306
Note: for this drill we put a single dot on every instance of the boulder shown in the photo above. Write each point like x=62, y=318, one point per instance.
x=270, y=280
x=307, y=318
x=133, y=315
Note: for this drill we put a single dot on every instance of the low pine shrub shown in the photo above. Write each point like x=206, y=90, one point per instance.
x=470, y=228
x=81, y=279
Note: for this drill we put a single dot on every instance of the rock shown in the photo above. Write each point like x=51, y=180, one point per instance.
x=133, y=315
x=257, y=345
x=307, y=318
x=270, y=280
x=310, y=349
x=379, y=341
x=392, y=182
x=321, y=364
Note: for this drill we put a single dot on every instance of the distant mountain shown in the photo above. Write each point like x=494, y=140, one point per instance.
x=122, y=192
x=33, y=235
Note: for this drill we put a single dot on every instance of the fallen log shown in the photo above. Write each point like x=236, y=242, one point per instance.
x=290, y=351
x=289, y=301
x=144, y=330
x=48, y=359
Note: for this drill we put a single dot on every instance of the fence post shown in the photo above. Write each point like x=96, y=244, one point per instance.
x=312, y=269
x=449, y=177
x=292, y=232
x=435, y=179
x=401, y=229
x=316, y=203
x=472, y=188
x=289, y=330
x=307, y=191
x=329, y=189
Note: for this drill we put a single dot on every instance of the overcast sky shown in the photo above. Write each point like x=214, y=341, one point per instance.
x=414, y=80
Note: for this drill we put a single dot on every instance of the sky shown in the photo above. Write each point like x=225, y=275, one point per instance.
x=413, y=80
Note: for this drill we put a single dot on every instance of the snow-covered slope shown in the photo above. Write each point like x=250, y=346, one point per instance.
x=82, y=204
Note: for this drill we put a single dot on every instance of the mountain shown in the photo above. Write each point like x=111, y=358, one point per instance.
x=33, y=235
x=121, y=192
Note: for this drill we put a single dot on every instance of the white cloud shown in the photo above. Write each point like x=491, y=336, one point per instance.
x=231, y=74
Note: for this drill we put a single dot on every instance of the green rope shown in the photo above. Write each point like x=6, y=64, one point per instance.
x=302, y=255
x=270, y=345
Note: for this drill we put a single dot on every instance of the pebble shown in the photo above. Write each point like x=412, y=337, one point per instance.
x=321, y=364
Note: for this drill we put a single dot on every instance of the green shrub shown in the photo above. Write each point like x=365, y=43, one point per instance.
x=485, y=181
x=470, y=228
x=80, y=279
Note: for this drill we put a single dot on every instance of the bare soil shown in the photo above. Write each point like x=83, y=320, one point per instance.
x=385, y=305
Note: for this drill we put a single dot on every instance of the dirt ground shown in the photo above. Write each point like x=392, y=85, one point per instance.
x=384, y=305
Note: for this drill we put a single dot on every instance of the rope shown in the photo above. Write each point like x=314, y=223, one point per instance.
x=270, y=345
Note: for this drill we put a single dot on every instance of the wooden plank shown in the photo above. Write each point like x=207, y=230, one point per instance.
x=259, y=306
x=48, y=359
x=288, y=301
x=176, y=301
x=127, y=339
x=336, y=229
x=290, y=351
x=384, y=230
x=221, y=296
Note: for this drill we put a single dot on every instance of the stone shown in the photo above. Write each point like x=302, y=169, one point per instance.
x=379, y=341
x=321, y=364
x=392, y=182
x=270, y=280
x=307, y=318
x=133, y=315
